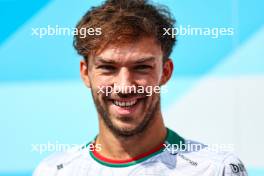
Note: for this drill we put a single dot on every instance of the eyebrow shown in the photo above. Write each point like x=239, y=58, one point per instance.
x=105, y=61
x=146, y=59
x=111, y=61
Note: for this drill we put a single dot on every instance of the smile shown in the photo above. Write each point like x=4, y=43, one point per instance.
x=125, y=103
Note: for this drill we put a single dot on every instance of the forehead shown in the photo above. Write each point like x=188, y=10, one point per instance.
x=131, y=52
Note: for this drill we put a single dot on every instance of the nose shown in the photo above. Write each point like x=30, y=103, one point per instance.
x=124, y=81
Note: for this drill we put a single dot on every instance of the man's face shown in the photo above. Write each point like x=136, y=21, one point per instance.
x=121, y=71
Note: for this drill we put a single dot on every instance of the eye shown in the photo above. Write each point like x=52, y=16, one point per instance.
x=142, y=67
x=108, y=68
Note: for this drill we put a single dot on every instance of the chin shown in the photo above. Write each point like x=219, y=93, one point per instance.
x=126, y=126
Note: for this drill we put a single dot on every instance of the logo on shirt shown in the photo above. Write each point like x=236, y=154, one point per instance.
x=193, y=163
x=237, y=168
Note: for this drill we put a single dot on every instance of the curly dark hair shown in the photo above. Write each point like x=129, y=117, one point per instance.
x=124, y=21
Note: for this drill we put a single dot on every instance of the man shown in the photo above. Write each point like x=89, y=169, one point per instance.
x=130, y=55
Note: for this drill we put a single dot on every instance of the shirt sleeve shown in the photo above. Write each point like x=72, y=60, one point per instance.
x=233, y=166
x=48, y=166
x=44, y=169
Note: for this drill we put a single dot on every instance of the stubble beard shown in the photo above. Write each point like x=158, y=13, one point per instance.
x=125, y=132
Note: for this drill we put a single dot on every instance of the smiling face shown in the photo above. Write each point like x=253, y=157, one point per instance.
x=125, y=110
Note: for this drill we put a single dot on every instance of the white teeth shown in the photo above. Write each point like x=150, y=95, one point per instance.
x=125, y=103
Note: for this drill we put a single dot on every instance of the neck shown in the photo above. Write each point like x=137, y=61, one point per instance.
x=123, y=148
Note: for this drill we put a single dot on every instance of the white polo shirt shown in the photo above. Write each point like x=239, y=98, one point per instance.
x=169, y=159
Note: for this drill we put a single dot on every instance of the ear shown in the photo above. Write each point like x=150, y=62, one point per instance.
x=84, y=73
x=167, y=71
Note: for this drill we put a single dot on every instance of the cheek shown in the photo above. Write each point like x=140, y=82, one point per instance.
x=150, y=80
x=153, y=78
x=100, y=81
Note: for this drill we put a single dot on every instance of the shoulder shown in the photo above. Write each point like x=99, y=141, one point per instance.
x=52, y=164
x=197, y=157
x=232, y=165
x=225, y=162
